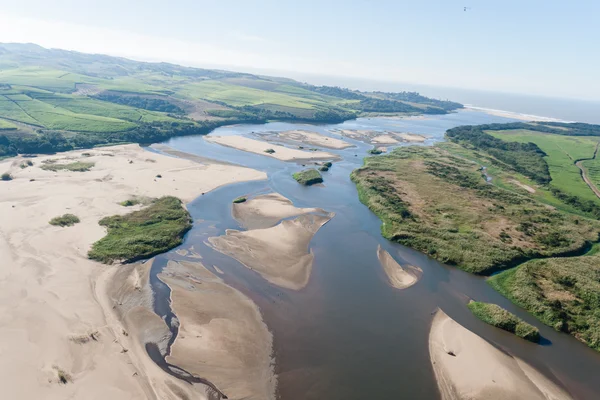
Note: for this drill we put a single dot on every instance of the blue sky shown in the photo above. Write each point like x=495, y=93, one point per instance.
x=538, y=47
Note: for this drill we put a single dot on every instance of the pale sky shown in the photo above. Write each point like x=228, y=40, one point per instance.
x=538, y=47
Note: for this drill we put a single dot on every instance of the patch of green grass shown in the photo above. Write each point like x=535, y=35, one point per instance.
x=308, y=177
x=563, y=293
x=6, y=125
x=375, y=151
x=239, y=200
x=433, y=201
x=500, y=318
x=561, y=153
x=65, y=220
x=142, y=234
x=77, y=166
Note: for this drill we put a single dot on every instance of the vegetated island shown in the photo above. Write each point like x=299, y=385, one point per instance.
x=308, y=177
x=54, y=100
x=144, y=233
x=493, y=200
x=497, y=316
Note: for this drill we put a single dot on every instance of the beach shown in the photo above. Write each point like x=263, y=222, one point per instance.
x=58, y=326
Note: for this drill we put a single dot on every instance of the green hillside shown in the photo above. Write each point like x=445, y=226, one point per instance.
x=54, y=100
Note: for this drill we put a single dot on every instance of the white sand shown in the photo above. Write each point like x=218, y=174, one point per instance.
x=49, y=290
x=280, y=253
x=523, y=186
x=398, y=277
x=411, y=137
x=267, y=210
x=477, y=370
x=384, y=139
x=314, y=138
x=514, y=115
x=257, y=146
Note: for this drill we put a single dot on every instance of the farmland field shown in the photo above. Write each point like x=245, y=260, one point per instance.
x=562, y=152
x=4, y=125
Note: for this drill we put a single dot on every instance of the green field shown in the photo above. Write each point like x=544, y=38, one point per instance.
x=562, y=152
x=6, y=125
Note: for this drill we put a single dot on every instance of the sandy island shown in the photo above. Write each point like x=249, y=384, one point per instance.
x=468, y=367
x=57, y=319
x=279, y=253
x=398, y=277
x=309, y=137
x=267, y=210
x=222, y=336
x=378, y=137
x=257, y=146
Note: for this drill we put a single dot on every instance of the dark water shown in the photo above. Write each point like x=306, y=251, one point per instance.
x=348, y=334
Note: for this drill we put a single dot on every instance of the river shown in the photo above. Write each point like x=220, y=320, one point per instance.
x=348, y=334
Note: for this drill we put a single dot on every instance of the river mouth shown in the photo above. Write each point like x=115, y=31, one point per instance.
x=348, y=334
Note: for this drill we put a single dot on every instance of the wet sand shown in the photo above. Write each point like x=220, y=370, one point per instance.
x=265, y=211
x=398, y=277
x=222, y=337
x=258, y=147
x=280, y=253
x=468, y=367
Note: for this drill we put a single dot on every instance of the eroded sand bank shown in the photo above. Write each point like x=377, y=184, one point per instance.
x=311, y=138
x=468, y=367
x=280, y=253
x=257, y=146
x=222, y=337
x=50, y=293
x=398, y=277
x=267, y=210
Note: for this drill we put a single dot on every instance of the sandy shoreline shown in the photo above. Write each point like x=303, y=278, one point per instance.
x=47, y=280
x=258, y=147
x=398, y=277
x=468, y=367
x=304, y=137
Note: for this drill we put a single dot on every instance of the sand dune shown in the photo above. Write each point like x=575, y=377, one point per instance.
x=280, y=253
x=267, y=210
x=468, y=367
x=50, y=297
x=257, y=146
x=222, y=337
x=399, y=277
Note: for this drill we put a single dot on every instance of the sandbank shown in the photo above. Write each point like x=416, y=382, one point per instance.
x=267, y=210
x=398, y=277
x=222, y=337
x=257, y=146
x=50, y=292
x=312, y=138
x=384, y=139
x=513, y=115
x=280, y=253
x=468, y=367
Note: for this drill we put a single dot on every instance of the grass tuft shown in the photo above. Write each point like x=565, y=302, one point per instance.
x=65, y=220
x=239, y=200
x=74, y=167
x=308, y=177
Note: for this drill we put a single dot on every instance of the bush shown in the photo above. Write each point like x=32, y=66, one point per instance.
x=6, y=177
x=497, y=316
x=65, y=220
x=375, y=151
x=308, y=177
x=270, y=151
x=239, y=200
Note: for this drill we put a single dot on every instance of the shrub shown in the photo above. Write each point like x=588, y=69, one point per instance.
x=6, y=177
x=375, y=151
x=239, y=200
x=308, y=177
x=65, y=220
x=270, y=151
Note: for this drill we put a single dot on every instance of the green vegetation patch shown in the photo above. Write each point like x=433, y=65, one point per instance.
x=239, y=200
x=77, y=166
x=6, y=177
x=7, y=125
x=65, y=220
x=142, y=234
x=430, y=199
x=500, y=318
x=308, y=177
x=563, y=293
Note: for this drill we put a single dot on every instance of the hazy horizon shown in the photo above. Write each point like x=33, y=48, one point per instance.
x=537, y=48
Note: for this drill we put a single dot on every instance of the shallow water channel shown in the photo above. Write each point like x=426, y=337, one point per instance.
x=348, y=334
